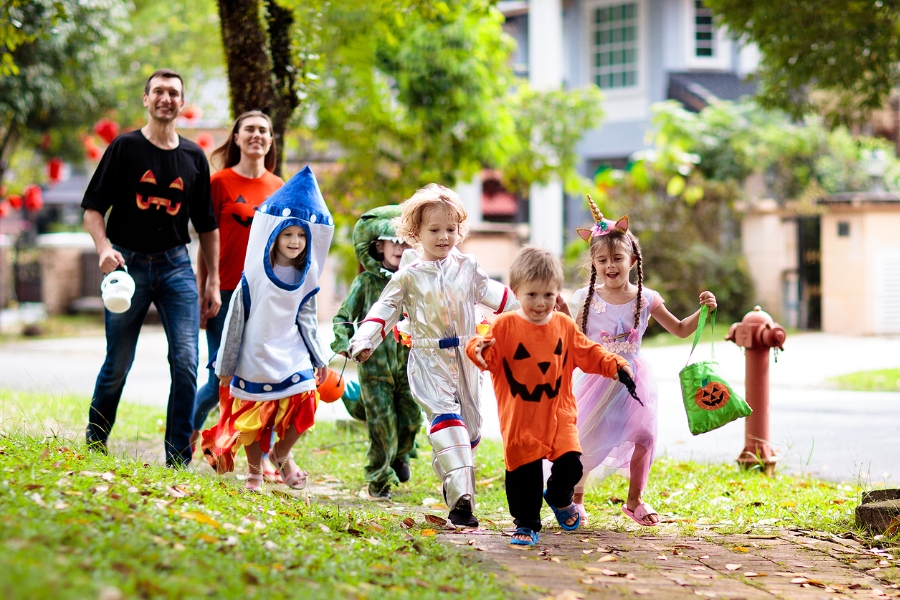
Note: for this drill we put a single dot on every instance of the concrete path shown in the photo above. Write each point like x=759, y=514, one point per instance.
x=788, y=564
x=844, y=436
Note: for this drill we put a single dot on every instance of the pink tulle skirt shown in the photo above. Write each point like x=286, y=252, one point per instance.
x=611, y=423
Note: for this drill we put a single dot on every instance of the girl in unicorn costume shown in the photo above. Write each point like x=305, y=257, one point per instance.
x=270, y=359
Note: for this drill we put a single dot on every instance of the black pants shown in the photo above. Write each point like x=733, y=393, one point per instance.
x=525, y=485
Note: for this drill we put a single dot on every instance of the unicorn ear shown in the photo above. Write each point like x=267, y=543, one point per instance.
x=622, y=223
x=585, y=234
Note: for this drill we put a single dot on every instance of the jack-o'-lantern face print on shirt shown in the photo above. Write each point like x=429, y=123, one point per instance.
x=242, y=211
x=534, y=372
x=159, y=195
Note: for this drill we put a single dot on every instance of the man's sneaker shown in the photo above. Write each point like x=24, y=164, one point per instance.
x=401, y=469
x=378, y=492
x=98, y=446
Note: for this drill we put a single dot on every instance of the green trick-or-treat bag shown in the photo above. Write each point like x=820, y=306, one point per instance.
x=709, y=400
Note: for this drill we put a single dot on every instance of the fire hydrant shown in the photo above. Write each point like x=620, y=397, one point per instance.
x=756, y=334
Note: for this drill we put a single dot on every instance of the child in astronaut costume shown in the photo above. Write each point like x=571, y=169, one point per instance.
x=439, y=290
x=270, y=358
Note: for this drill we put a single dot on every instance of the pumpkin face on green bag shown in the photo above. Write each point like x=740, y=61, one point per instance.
x=712, y=395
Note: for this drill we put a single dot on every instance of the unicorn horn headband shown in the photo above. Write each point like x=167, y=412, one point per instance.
x=602, y=226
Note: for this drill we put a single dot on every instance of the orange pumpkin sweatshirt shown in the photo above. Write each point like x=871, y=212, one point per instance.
x=531, y=366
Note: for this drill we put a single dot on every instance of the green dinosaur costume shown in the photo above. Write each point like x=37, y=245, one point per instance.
x=392, y=416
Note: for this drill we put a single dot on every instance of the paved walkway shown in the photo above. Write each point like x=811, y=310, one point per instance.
x=817, y=430
x=615, y=564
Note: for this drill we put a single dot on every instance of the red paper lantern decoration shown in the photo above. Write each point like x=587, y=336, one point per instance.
x=191, y=112
x=15, y=201
x=106, y=130
x=34, y=198
x=94, y=153
x=54, y=170
x=4, y=209
x=206, y=141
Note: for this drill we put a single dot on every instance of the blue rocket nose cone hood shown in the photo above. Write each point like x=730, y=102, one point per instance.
x=301, y=198
x=298, y=203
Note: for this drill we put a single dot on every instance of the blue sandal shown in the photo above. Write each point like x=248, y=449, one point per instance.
x=564, y=514
x=525, y=531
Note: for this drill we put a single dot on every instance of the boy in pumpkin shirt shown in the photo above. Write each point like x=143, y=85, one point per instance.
x=528, y=354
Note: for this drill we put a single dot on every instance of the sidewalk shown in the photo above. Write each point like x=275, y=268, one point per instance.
x=785, y=564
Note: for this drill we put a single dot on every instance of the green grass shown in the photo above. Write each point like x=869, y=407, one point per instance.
x=882, y=380
x=73, y=523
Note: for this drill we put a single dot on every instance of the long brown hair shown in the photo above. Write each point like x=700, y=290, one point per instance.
x=229, y=154
x=610, y=242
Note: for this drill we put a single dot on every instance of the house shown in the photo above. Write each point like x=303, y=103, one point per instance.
x=638, y=52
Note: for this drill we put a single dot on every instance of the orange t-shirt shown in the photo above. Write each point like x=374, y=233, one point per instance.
x=235, y=199
x=531, y=366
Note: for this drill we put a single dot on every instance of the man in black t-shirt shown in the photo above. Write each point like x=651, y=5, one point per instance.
x=151, y=182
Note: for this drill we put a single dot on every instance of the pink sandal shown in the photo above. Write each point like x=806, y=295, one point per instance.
x=640, y=513
x=254, y=482
x=293, y=476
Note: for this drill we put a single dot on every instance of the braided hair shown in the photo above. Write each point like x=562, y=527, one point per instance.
x=609, y=242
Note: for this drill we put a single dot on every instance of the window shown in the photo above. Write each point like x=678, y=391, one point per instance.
x=614, y=29
x=843, y=229
x=704, y=31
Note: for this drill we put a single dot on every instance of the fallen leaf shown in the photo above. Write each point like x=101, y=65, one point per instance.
x=33, y=486
x=699, y=576
x=471, y=542
x=375, y=527
x=435, y=520
x=60, y=505
x=270, y=545
x=554, y=559
x=45, y=453
x=429, y=501
x=732, y=567
x=36, y=498
x=788, y=504
x=609, y=572
x=608, y=558
x=662, y=557
x=72, y=493
x=101, y=489
x=408, y=523
x=704, y=557
x=200, y=518
x=176, y=492
x=698, y=568
x=751, y=574
x=428, y=532
x=588, y=551
x=108, y=476
x=325, y=528
x=799, y=580
x=209, y=539
x=740, y=549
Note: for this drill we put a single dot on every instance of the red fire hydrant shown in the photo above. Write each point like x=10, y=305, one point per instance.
x=756, y=334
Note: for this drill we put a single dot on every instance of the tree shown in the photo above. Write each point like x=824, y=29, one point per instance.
x=62, y=60
x=847, y=48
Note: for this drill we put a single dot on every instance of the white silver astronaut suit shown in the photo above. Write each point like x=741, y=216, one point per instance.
x=439, y=298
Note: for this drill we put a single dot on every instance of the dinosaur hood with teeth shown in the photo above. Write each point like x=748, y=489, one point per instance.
x=373, y=225
x=531, y=367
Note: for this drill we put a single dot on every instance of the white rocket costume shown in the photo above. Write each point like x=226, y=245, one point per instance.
x=439, y=298
x=269, y=343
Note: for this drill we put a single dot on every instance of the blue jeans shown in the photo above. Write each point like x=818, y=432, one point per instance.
x=166, y=280
x=208, y=395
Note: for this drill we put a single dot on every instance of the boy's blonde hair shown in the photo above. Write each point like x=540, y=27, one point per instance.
x=430, y=196
x=535, y=264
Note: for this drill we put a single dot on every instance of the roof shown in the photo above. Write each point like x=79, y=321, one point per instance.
x=697, y=89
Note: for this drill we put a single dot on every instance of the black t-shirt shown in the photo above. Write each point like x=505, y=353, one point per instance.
x=152, y=193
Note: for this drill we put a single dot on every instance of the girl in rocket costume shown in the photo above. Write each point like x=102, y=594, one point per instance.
x=439, y=289
x=270, y=358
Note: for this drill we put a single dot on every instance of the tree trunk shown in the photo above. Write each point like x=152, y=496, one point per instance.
x=261, y=73
x=285, y=100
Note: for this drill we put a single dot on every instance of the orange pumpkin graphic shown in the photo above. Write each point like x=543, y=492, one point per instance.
x=712, y=395
x=531, y=367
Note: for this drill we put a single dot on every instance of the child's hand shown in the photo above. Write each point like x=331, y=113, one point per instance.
x=561, y=305
x=627, y=369
x=363, y=356
x=480, y=347
x=708, y=299
x=224, y=380
x=321, y=374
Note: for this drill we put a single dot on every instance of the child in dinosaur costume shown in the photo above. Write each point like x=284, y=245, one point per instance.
x=392, y=416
